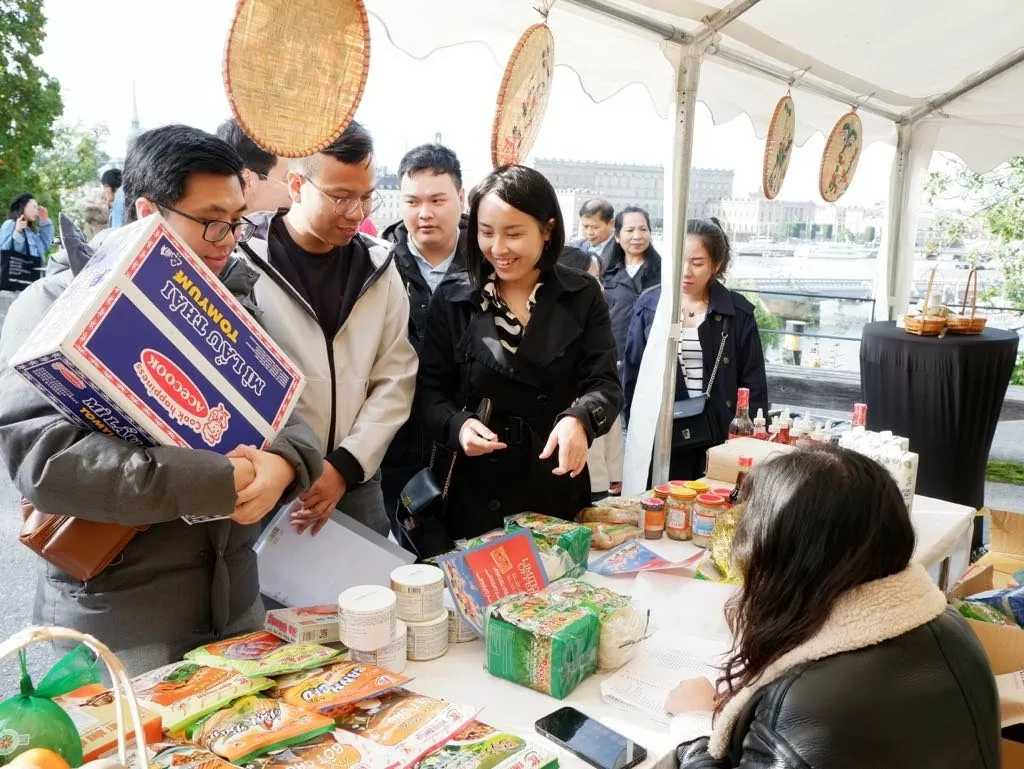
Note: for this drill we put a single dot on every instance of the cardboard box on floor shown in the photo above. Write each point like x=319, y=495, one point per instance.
x=1003, y=645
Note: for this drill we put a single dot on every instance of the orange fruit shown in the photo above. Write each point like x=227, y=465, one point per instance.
x=39, y=758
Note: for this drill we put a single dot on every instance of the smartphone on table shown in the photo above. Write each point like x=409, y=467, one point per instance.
x=590, y=740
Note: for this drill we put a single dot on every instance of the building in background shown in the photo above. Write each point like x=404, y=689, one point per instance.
x=631, y=185
x=390, y=210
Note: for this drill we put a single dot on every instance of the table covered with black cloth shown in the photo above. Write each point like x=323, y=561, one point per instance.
x=945, y=395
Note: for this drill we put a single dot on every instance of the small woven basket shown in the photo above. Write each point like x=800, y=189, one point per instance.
x=924, y=324
x=963, y=323
x=121, y=687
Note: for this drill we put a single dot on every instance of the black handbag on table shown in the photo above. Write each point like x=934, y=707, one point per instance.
x=693, y=425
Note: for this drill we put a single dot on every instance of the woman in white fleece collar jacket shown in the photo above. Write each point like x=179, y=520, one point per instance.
x=845, y=654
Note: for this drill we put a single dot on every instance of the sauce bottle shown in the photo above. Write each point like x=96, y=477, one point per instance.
x=741, y=426
x=760, y=432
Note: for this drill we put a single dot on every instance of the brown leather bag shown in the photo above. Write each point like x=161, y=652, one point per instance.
x=75, y=546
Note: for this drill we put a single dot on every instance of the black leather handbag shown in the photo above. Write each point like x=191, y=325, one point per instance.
x=693, y=425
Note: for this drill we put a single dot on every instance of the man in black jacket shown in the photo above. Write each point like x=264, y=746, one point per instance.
x=429, y=243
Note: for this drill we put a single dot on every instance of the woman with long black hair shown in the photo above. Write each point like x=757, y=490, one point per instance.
x=845, y=654
x=532, y=337
x=633, y=267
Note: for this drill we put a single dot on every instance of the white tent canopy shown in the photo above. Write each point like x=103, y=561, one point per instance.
x=925, y=75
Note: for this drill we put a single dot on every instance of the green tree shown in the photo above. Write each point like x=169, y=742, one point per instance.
x=73, y=160
x=29, y=98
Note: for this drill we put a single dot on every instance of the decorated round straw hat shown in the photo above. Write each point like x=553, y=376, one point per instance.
x=523, y=96
x=294, y=71
x=778, y=148
x=839, y=160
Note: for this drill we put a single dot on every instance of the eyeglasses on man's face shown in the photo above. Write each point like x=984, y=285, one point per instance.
x=215, y=230
x=348, y=206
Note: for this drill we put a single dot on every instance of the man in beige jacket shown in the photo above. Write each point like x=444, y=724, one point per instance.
x=334, y=300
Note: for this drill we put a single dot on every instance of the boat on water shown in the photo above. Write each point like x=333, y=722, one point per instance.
x=835, y=251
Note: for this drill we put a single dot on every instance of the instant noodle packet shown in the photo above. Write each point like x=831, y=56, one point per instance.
x=339, y=685
x=556, y=561
x=406, y=724
x=609, y=535
x=187, y=757
x=262, y=654
x=479, y=746
x=184, y=692
x=569, y=536
x=337, y=750
x=94, y=713
x=256, y=725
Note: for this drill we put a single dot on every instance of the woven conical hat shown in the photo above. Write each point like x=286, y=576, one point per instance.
x=523, y=96
x=294, y=71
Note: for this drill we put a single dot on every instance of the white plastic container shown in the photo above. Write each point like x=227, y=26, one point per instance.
x=366, y=617
x=391, y=657
x=428, y=640
x=420, y=591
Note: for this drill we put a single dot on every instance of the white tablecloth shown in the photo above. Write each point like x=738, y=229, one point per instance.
x=943, y=530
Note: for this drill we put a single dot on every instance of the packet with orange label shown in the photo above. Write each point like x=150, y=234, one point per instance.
x=257, y=725
x=338, y=750
x=187, y=757
x=262, y=654
x=94, y=713
x=183, y=692
x=339, y=685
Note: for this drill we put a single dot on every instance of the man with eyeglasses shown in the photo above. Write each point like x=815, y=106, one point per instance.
x=174, y=586
x=265, y=175
x=335, y=302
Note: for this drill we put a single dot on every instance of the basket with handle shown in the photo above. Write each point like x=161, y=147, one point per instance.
x=924, y=324
x=964, y=323
x=121, y=686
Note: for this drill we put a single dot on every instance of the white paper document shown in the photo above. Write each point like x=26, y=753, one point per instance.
x=302, y=570
x=666, y=659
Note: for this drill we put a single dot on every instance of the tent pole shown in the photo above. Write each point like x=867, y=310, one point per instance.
x=975, y=81
x=687, y=80
x=722, y=18
x=893, y=229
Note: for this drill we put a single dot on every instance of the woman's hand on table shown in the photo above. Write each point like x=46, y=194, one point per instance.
x=696, y=695
x=476, y=439
x=570, y=439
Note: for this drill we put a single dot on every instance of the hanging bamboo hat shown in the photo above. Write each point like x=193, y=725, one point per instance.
x=294, y=71
x=778, y=147
x=523, y=96
x=839, y=160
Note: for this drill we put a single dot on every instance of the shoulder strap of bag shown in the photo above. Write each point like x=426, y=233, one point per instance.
x=718, y=361
x=451, y=469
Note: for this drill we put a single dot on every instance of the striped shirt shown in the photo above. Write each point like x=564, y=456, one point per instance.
x=510, y=328
x=691, y=359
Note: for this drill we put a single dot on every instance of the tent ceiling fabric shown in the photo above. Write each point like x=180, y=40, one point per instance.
x=898, y=54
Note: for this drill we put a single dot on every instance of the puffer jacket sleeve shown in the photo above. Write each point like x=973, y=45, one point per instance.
x=299, y=446
x=438, y=381
x=600, y=394
x=636, y=342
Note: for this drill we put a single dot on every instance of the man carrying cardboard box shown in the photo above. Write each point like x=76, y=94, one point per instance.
x=175, y=586
x=334, y=301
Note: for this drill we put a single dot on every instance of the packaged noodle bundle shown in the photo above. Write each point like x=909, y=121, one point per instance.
x=722, y=536
x=622, y=626
x=338, y=685
x=94, y=713
x=407, y=725
x=187, y=757
x=183, y=692
x=609, y=535
x=550, y=648
x=256, y=725
x=982, y=613
x=262, y=654
x=1009, y=601
x=571, y=537
x=480, y=746
x=337, y=750
x=612, y=510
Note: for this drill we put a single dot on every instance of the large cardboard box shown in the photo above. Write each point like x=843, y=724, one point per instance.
x=146, y=344
x=1003, y=645
x=724, y=460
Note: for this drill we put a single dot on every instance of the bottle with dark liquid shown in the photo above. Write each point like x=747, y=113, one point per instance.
x=742, y=426
x=746, y=465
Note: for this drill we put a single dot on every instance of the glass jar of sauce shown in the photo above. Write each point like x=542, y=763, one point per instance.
x=678, y=521
x=705, y=511
x=654, y=517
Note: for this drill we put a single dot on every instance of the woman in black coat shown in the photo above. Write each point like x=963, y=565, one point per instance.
x=534, y=338
x=633, y=267
x=708, y=310
x=845, y=654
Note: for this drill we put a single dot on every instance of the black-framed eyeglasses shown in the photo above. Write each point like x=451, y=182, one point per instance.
x=215, y=230
x=347, y=206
